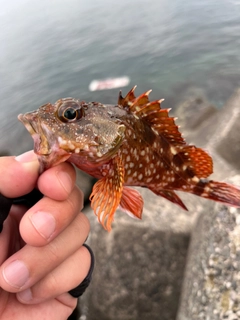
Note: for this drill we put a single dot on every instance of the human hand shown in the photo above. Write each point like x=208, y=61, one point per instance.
x=41, y=256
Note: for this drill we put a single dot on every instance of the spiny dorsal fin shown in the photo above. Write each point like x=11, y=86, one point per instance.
x=151, y=112
x=140, y=101
x=125, y=102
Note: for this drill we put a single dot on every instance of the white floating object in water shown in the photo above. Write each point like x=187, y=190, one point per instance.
x=109, y=83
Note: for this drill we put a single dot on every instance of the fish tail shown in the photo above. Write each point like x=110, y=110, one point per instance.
x=218, y=191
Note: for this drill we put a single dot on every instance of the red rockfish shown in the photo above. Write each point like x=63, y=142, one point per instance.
x=132, y=143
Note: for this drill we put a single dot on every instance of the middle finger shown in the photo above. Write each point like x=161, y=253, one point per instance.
x=48, y=217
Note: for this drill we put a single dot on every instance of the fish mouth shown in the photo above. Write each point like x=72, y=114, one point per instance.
x=29, y=120
x=45, y=144
x=28, y=125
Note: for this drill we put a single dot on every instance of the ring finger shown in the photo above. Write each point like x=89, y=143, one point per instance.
x=48, y=217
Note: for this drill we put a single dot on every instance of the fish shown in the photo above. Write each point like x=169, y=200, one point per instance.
x=132, y=143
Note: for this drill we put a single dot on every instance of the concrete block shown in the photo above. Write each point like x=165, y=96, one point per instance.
x=211, y=288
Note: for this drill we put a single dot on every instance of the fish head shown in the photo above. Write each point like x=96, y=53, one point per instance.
x=71, y=126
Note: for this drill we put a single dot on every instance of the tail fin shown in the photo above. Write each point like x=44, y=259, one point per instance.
x=218, y=191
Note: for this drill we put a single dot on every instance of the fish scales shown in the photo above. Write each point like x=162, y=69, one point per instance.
x=132, y=143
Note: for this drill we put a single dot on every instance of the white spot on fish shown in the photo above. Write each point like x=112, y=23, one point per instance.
x=140, y=176
x=195, y=179
x=148, y=172
x=62, y=141
x=207, y=189
x=129, y=172
x=173, y=150
x=86, y=148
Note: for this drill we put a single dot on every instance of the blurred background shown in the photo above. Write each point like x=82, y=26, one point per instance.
x=54, y=49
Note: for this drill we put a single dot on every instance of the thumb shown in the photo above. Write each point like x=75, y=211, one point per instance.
x=18, y=174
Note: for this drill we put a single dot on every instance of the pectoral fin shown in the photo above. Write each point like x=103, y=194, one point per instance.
x=107, y=192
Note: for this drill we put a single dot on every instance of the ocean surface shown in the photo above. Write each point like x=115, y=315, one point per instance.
x=54, y=49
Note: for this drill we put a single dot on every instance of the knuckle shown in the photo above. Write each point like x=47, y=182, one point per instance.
x=54, y=253
x=75, y=200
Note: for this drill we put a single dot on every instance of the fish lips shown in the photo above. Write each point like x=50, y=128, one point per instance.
x=31, y=123
x=28, y=120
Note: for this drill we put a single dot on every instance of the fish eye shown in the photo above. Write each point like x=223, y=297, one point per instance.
x=70, y=114
x=69, y=111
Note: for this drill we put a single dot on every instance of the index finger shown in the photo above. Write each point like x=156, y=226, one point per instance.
x=58, y=182
x=18, y=177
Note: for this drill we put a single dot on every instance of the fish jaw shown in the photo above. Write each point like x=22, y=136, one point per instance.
x=46, y=145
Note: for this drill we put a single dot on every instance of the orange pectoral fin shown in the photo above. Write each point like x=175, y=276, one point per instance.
x=104, y=202
x=107, y=193
x=132, y=202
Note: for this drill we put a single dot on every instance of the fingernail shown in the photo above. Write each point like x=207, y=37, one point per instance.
x=44, y=223
x=65, y=180
x=26, y=157
x=25, y=295
x=16, y=274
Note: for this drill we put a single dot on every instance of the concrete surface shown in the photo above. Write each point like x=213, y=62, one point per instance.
x=140, y=264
